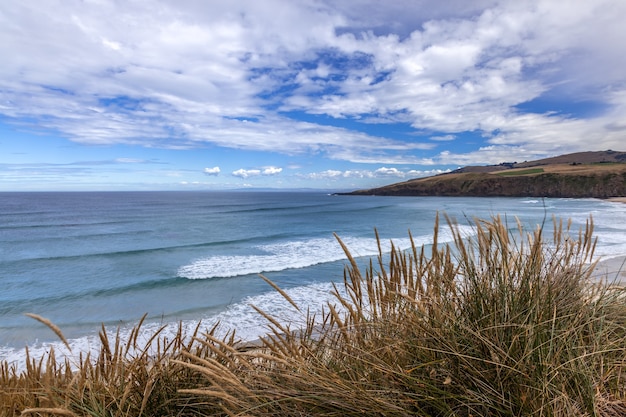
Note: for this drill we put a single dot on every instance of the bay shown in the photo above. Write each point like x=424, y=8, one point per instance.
x=85, y=259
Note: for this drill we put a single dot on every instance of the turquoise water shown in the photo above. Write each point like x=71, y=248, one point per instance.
x=86, y=259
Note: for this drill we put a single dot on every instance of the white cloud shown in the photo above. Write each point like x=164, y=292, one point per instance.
x=419, y=173
x=246, y=173
x=180, y=75
x=328, y=174
x=444, y=138
x=358, y=174
x=212, y=171
x=382, y=172
x=389, y=172
x=272, y=171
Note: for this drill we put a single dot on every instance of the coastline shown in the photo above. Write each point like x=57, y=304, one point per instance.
x=612, y=270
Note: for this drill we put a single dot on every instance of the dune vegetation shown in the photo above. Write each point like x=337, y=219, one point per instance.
x=505, y=322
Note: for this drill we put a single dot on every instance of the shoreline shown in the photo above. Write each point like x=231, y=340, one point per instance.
x=612, y=270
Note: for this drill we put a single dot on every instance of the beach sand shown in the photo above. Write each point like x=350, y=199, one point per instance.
x=611, y=269
x=617, y=199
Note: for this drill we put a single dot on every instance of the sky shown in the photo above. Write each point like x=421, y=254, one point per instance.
x=323, y=94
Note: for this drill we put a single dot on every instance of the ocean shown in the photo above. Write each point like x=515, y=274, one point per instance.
x=90, y=259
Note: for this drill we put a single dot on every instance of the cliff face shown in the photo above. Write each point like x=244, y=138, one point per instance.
x=488, y=185
x=581, y=175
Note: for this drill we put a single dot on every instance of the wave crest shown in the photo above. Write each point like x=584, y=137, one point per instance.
x=294, y=254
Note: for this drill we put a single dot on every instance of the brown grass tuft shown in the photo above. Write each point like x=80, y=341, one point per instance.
x=51, y=326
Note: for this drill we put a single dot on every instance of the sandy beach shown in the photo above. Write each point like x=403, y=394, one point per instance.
x=611, y=269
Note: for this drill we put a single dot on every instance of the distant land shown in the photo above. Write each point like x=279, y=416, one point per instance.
x=576, y=175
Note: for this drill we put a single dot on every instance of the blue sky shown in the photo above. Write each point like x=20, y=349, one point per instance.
x=327, y=94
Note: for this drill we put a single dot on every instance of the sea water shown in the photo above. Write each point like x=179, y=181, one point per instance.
x=86, y=260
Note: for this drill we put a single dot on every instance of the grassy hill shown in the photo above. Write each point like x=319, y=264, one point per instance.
x=580, y=175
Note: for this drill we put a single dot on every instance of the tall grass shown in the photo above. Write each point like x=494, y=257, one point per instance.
x=500, y=323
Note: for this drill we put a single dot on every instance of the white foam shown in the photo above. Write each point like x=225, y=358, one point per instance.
x=248, y=324
x=275, y=257
x=297, y=254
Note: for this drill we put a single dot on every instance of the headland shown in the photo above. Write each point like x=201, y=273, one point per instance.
x=577, y=175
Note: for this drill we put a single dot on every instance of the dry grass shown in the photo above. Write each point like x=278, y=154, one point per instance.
x=515, y=172
x=500, y=324
x=569, y=169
